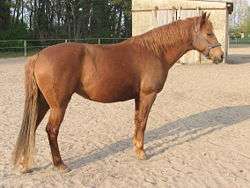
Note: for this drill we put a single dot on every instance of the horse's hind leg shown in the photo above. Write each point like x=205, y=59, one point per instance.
x=52, y=128
x=43, y=108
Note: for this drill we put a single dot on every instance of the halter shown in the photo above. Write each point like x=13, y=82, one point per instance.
x=206, y=52
x=210, y=47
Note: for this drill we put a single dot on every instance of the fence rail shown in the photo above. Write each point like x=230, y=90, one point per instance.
x=14, y=48
x=29, y=47
x=245, y=40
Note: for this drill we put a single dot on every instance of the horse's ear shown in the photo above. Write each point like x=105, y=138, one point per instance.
x=201, y=21
x=208, y=15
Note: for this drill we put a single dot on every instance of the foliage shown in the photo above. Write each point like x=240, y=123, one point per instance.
x=4, y=15
x=245, y=26
x=17, y=31
x=64, y=18
x=235, y=33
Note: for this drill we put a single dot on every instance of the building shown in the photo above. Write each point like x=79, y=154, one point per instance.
x=148, y=14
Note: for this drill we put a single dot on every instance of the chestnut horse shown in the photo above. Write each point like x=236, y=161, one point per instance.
x=134, y=69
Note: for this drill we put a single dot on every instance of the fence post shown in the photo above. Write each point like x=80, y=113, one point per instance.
x=99, y=40
x=25, y=48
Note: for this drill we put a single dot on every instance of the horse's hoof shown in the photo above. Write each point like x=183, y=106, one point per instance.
x=26, y=171
x=23, y=169
x=63, y=168
x=140, y=154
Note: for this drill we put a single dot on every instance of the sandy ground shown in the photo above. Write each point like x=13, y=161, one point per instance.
x=198, y=133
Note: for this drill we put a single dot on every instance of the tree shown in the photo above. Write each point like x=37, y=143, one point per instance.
x=4, y=14
x=239, y=15
x=67, y=18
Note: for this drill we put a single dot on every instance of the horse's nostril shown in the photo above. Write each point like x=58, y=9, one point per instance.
x=222, y=56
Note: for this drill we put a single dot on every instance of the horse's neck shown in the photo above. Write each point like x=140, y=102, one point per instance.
x=170, y=42
x=172, y=54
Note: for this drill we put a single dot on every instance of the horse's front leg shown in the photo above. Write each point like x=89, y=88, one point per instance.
x=142, y=109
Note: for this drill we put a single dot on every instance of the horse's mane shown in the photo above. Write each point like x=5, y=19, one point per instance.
x=173, y=34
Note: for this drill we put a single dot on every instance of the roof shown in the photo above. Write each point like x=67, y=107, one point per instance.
x=220, y=1
x=185, y=4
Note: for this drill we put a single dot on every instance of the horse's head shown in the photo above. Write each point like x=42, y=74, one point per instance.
x=205, y=41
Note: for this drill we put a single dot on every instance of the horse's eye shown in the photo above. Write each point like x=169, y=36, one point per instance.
x=210, y=34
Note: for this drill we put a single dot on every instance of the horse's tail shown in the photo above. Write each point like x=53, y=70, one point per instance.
x=23, y=153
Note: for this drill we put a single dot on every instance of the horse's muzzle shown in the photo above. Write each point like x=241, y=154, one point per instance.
x=218, y=60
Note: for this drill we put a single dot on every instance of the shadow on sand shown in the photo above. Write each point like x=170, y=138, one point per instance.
x=236, y=59
x=178, y=132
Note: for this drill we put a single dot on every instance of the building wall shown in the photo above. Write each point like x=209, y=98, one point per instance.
x=146, y=17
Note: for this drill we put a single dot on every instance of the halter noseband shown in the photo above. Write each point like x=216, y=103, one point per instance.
x=210, y=47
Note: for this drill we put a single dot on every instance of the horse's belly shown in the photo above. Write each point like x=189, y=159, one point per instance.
x=108, y=91
x=107, y=80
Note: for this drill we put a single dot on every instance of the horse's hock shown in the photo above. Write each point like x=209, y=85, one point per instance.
x=148, y=14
